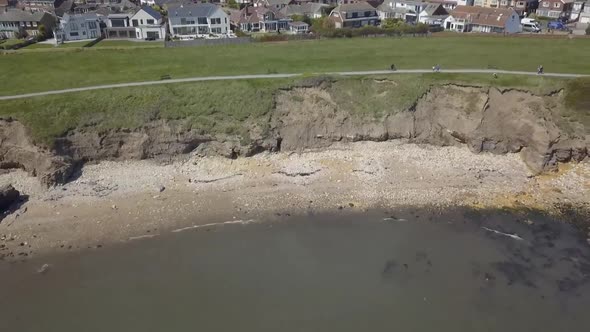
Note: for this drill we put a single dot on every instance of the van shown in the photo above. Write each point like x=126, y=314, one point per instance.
x=531, y=27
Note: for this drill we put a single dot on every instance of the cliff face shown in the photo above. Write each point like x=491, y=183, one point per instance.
x=485, y=119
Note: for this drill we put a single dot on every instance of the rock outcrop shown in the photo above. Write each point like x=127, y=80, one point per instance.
x=308, y=116
x=8, y=196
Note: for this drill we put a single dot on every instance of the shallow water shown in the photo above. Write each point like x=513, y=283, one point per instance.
x=440, y=272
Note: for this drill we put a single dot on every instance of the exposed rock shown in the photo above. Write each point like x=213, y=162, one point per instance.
x=8, y=196
x=307, y=116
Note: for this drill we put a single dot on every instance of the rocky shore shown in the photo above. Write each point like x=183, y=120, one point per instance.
x=118, y=201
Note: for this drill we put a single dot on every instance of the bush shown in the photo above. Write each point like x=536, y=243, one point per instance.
x=588, y=29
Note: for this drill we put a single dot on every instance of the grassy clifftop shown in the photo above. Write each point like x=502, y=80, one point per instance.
x=41, y=70
x=225, y=107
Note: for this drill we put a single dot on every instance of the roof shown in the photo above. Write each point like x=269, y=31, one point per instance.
x=3, y=3
x=306, y=8
x=562, y=1
x=192, y=10
x=17, y=15
x=80, y=17
x=496, y=17
x=277, y=2
x=251, y=14
x=435, y=9
x=354, y=7
x=152, y=12
x=63, y=6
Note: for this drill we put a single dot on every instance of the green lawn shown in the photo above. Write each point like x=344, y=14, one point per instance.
x=226, y=106
x=39, y=46
x=22, y=72
x=127, y=43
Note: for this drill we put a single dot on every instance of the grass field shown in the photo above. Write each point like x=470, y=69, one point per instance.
x=10, y=42
x=22, y=72
x=225, y=106
x=127, y=43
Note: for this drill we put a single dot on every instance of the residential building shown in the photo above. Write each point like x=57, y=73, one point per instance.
x=309, y=9
x=447, y=4
x=298, y=27
x=522, y=7
x=197, y=20
x=119, y=26
x=577, y=8
x=38, y=5
x=275, y=4
x=465, y=2
x=433, y=14
x=406, y=10
x=260, y=19
x=3, y=4
x=354, y=15
x=78, y=27
x=17, y=22
x=585, y=14
x=482, y=19
x=555, y=8
x=148, y=24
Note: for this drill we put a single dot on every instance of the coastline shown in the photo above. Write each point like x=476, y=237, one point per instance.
x=116, y=202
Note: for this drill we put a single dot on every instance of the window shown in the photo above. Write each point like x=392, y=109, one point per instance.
x=201, y=20
x=367, y=14
x=503, y=2
x=92, y=25
x=84, y=33
x=183, y=21
x=141, y=21
x=355, y=15
x=226, y=20
x=545, y=4
x=556, y=4
x=118, y=22
x=216, y=20
x=73, y=34
x=73, y=27
x=134, y=23
x=82, y=25
x=149, y=21
x=215, y=30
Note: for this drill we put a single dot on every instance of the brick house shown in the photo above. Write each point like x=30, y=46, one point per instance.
x=555, y=8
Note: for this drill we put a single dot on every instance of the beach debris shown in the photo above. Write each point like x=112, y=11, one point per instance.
x=392, y=218
x=513, y=236
x=161, y=188
x=114, y=207
x=44, y=268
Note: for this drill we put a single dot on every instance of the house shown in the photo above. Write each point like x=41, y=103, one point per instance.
x=37, y=5
x=447, y=4
x=16, y=22
x=3, y=4
x=555, y=8
x=148, y=24
x=260, y=19
x=78, y=27
x=585, y=14
x=482, y=19
x=522, y=7
x=298, y=27
x=309, y=9
x=197, y=20
x=354, y=15
x=406, y=10
x=433, y=14
x=276, y=4
x=577, y=8
x=119, y=26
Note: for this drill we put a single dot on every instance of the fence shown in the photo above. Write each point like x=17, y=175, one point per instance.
x=207, y=42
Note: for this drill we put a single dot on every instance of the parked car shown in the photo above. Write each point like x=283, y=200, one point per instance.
x=557, y=25
x=530, y=25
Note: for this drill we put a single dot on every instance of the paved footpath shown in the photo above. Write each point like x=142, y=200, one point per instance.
x=267, y=76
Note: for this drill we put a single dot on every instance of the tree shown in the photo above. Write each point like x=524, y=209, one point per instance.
x=233, y=4
x=302, y=18
x=322, y=25
x=392, y=23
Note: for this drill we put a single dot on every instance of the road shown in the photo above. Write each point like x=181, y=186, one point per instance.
x=271, y=76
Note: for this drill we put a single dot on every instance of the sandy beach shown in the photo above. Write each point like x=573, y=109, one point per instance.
x=116, y=202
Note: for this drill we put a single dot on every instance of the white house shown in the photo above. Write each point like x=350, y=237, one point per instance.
x=585, y=14
x=406, y=10
x=433, y=14
x=197, y=20
x=148, y=24
x=298, y=27
x=481, y=19
x=78, y=27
